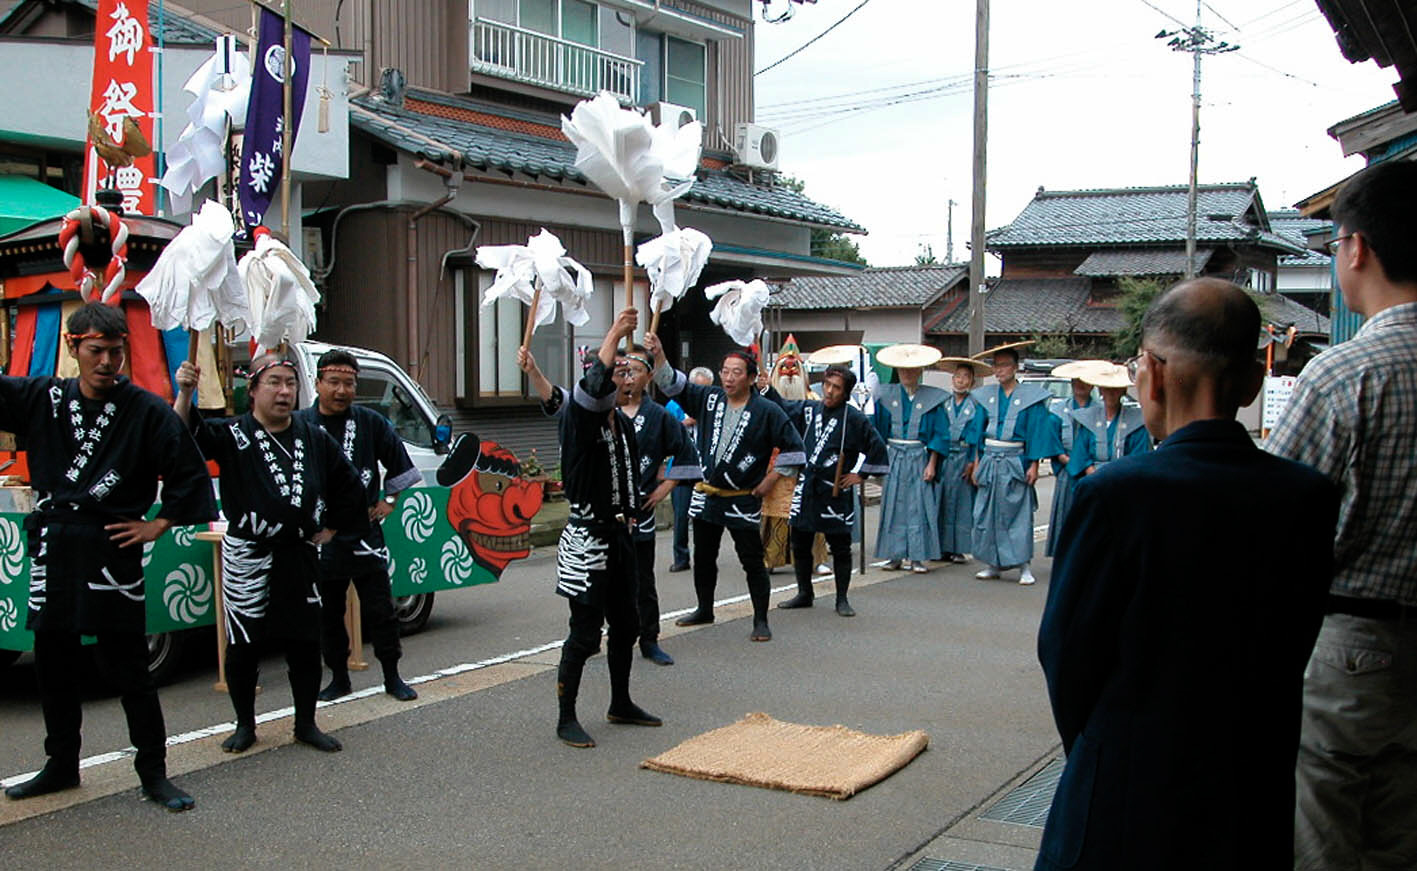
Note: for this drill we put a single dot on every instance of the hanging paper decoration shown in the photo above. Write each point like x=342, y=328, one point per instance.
x=739, y=310
x=279, y=290
x=221, y=88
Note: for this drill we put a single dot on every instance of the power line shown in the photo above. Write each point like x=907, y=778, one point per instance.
x=1216, y=13
x=803, y=47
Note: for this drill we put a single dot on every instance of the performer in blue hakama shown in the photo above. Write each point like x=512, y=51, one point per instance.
x=1065, y=427
x=1106, y=430
x=842, y=449
x=911, y=417
x=1016, y=435
x=957, y=468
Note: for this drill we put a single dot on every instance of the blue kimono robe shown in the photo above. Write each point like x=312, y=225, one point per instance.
x=1099, y=441
x=965, y=422
x=746, y=449
x=1017, y=432
x=1065, y=427
x=910, y=507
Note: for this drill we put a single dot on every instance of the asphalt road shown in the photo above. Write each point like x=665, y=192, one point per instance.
x=473, y=776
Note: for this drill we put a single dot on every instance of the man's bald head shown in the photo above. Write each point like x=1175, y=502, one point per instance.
x=1209, y=320
x=1199, y=343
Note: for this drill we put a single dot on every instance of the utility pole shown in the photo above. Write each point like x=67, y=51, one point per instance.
x=1198, y=41
x=981, y=148
x=950, y=232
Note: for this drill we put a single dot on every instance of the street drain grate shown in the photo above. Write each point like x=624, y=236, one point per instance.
x=1028, y=804
x=928, y=864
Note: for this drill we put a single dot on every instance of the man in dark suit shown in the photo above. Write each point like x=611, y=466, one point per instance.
x=1176, y=683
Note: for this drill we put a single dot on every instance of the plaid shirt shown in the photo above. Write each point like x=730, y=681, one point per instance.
x=1353, y=417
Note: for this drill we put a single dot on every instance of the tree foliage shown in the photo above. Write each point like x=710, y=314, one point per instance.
x=825, y=243
x=1135, y=298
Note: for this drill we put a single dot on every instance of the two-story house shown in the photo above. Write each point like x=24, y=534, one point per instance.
x=454, y=111
x=1065, y=253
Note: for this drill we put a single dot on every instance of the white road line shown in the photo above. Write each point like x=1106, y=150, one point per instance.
x=461, y=668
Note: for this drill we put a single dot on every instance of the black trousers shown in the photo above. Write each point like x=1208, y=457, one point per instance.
x=59, y=666
x=648, y=598
x=839, y=543
x=243, y=671
x=376, y=606
x=612, y=601
x=749, y=545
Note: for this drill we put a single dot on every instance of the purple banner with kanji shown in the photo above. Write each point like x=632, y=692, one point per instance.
x=261, y=157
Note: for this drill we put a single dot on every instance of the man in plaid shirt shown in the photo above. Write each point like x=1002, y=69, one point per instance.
x=1353, y=416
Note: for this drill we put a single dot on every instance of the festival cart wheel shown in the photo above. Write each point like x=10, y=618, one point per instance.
x=165, y=655
x=412, y=612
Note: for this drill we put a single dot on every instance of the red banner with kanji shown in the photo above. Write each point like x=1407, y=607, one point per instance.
x=122, y=89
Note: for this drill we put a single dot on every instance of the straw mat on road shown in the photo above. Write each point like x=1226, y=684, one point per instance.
x=831, y=761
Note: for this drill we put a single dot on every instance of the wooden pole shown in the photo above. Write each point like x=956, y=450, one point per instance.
x=654, y=318
x=531, y=317
x=981, y=150
x=285, y=132
x=194, y=344
x=629, y=282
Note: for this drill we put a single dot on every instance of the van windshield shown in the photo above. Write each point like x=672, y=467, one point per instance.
x=377, y=390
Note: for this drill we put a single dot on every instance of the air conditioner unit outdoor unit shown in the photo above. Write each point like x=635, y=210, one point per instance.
x=756, y=146
x=663, y=113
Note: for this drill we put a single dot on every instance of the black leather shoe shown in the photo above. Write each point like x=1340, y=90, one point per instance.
x=679, y=567
x=844, y=609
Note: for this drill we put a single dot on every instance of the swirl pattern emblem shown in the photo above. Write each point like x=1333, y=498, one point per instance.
x=9, y=616
x=148, y=552
x=184, y=535
x=418, y=570
x=455, y=561
x=418, y=516
x=12, y=550
x=187, y=593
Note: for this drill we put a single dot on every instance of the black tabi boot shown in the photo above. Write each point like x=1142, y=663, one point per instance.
x=759, y=593
x=338, y=686
x=241, y=677
x=622, y=709
x=651, y=650
x=704, y=612
x=843, y=583
x=568, y=686
x=804, y=596
x=393, y=684
x=304, y=686
x=53, y=777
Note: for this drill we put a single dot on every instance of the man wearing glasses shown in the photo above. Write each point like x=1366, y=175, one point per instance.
x=738, y=430
x=1175, y=680
x=1353, y=416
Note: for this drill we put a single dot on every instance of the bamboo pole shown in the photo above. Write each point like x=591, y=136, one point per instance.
x=531, y=317
x=288, y=67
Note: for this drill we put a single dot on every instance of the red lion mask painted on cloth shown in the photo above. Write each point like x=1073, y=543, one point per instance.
x=491, y=507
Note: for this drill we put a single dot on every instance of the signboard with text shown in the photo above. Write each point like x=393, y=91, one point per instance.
x=1277, y=390
x=122, y=88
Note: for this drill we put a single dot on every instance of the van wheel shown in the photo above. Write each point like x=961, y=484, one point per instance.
x=164, y=656
x=412, y=612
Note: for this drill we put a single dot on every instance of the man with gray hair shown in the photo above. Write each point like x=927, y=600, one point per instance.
x=1171, y=686
x=1352, y=417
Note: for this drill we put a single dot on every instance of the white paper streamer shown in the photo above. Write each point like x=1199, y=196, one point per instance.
x=195, y=280
x=543, y=258
x=740, y=308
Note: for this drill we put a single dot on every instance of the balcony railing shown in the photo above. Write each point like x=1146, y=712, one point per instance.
x=512, y=52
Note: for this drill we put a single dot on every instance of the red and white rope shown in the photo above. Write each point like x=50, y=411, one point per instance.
x=84, y=278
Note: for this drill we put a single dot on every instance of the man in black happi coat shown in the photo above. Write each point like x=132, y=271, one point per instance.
x=97, y=445
x=368, y=441
x=286, y=488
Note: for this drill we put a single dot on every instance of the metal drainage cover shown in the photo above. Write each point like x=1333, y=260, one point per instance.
x=1028, y=804
x=941, y=865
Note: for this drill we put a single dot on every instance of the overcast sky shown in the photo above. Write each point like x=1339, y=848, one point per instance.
x=1084, y=97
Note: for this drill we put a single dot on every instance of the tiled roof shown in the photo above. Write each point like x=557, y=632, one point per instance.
x=1284, y=312
x=1035, y=305
x=518, y=143
x=875, y=287
x=175, y=28
x=1122, y=216
x=1290, y=224
x=1140, y=261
